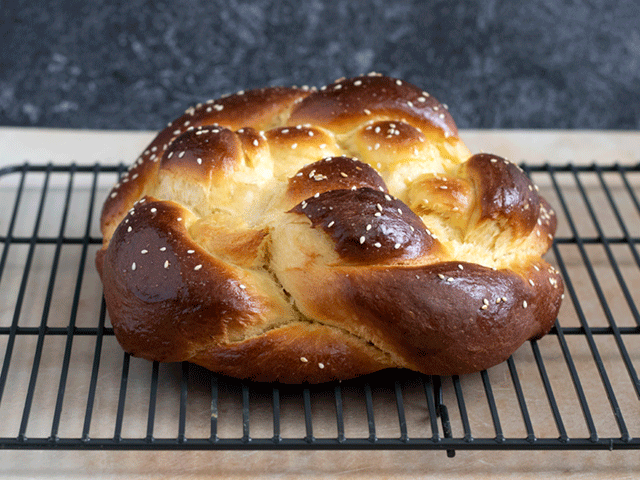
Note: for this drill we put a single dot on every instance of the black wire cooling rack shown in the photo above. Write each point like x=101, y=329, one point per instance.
x=65, y=383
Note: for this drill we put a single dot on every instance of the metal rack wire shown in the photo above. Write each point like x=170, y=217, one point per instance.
x=64, y=383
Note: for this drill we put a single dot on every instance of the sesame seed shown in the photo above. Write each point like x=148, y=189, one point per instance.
x=197, y=267
x=181, y=154
x=321, y=365
x=166, y=264
x=163, y=249
x=387, y=197
x=310, y=133
x=113, y=195
x=129, y=229
x=284, y=130
x=330, y=224
x=361, y=239
x=397, y=246
x=377, y=214
x=170, y=155
x=377, y=245
x=154, y=210
x=191, y=251
x=441, y=276
x=342, y=174
x=379, y=207
x=504, y=299
x=323, y=146
x=368, y=227
x=303, y=359
x=441, y=116
x=144, y=252
x=398, y=82
x=218, y=107
x=410, y=104
x=133, y=266
x=485, y=301
x=176, y=132
x=304, y=204
x=242, y=286
x=460, y=267
x=357, y=83
x=367, y=111
x=484, y=307
x=436, y=108
x=450, y=279
x=400, y=211
x=531, y=282
x=316, y=195
x=524, y=304
x=294, y=146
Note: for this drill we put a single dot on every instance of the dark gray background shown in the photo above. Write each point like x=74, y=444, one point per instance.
x=137, y=64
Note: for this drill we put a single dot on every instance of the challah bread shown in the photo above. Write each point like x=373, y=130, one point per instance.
x=302, y=235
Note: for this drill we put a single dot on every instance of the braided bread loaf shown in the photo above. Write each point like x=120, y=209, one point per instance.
x=302, y=235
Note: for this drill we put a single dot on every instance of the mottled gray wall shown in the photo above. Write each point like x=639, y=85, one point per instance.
x=136, y=64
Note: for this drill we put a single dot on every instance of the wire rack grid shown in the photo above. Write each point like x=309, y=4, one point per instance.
x=66, y=384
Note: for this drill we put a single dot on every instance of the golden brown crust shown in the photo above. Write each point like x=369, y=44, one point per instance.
x=297, y=235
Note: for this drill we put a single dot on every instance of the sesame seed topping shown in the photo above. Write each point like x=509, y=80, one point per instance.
x=377, y=245
x=154, y=210
x=450, y=279
x=113, y=195
x=166, y=264
x=133, y=266
x=330, y=224
x=524, y=304
x=362, y=239
x=397, y=246
x=422, y=99
x=410, y=104
x=398, y=82
x=321, y=365
x=197, y=267
x=368, y=227
x=377, y=214
x=342, y=174
x=242, y=286
x=176, y=132
x=163, y=249
x=531, y=282
x=484, y=307
x=323, y=146
x=441, y=276
x=218, y=107
x=303, y=359
x=181, y=154
x=191, y=251
x=294, y=146
x=387, y=197
x=316, y=195
x=460, y=267
x=170, y=155
x=144, y=252
x=129, y=229
x=367, y=111
x=400, y=211
x=379, y=207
